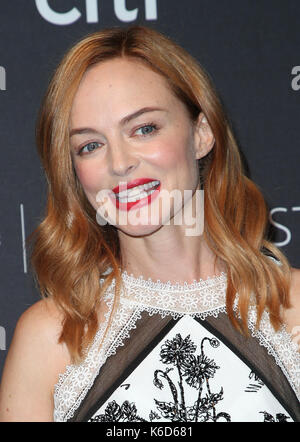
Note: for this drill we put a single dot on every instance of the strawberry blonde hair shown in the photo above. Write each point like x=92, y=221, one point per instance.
x=71, y=251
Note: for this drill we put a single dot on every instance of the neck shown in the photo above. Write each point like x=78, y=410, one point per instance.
x=168, y=255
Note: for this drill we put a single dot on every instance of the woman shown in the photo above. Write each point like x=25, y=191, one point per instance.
x=186, y=324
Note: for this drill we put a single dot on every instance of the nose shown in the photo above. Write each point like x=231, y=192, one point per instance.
x=122, y=160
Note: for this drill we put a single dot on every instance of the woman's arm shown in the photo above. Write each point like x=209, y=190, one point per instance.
x=32, y=365
x=291, y=316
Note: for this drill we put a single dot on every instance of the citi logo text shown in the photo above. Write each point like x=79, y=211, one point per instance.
x=2, y=79
x=92, y=11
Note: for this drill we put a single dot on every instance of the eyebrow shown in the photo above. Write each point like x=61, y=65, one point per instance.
x=124, y=120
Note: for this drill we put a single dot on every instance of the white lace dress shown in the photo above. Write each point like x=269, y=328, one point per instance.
x=190, y=373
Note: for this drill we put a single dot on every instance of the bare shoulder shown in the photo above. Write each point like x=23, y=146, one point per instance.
x=38, y=328
x=33, y=363
x=295, y=290
x=43, y=316
x=292, y=315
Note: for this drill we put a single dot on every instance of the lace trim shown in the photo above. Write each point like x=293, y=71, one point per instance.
x=148, y=284
x=279, y=345
x=65, y=394
x=199, y=296
x=198, y=299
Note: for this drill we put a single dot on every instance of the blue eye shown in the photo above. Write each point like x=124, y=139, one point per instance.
x=148, y=129
x=90, y=147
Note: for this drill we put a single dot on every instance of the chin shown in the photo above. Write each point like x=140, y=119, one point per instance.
x=139, y=231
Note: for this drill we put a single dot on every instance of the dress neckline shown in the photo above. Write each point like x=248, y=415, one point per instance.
x=132, y=281
x=199, y=297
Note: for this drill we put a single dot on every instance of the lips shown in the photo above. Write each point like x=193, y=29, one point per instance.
x=131, y=184
x=126, y=206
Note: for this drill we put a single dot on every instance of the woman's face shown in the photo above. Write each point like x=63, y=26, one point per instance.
x=127, y=125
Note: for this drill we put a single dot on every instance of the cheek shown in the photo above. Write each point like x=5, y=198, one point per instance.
x=168, y=151
x=177, y=152
x=88, y=176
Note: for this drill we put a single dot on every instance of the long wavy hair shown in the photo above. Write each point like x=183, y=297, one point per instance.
x=71, y=250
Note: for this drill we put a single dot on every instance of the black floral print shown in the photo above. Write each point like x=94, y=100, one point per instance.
x=280, y=417
x=184, y=370
x=194, y=371
x=198, y=369
x=127, y=412
x=177, y=350
x=255, y=385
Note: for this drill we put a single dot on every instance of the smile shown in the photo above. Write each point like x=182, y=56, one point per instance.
x=137, y=196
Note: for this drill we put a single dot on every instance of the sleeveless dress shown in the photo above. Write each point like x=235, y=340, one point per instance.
x=172, y=355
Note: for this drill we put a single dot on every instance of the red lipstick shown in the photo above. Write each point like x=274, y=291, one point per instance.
x=139, y=203
x=133, y=183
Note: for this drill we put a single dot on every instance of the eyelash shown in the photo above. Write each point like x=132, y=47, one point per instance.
x=148, y=125
x=153, y=125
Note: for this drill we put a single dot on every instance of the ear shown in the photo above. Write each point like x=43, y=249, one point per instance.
x=204, y=139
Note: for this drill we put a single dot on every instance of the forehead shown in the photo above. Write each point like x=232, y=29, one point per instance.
x=121, y=84
x=122, y=72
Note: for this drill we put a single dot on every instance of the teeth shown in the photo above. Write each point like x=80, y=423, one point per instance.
x=133, y=198
x=136, y=198
x=137, y=192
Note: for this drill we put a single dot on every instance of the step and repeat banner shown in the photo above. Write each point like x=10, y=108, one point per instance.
x=250, y=48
